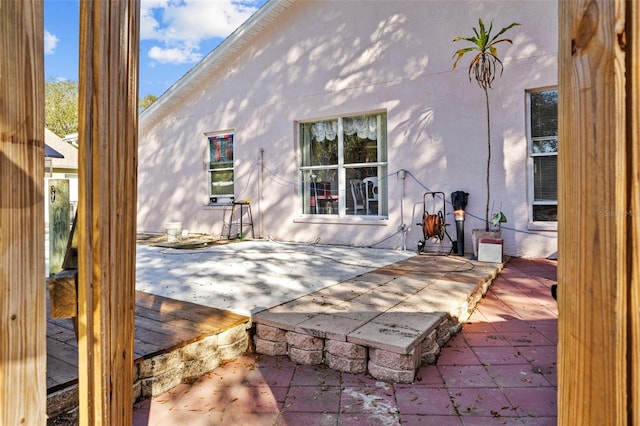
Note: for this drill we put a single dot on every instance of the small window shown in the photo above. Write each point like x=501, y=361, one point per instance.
x=343, y=166
x=221, y=173
x=543, y=155
x=48, y=167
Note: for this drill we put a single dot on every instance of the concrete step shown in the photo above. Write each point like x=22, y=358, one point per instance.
x=387, y=322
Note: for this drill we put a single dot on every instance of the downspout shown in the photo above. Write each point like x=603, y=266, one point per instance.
x=260, y=186
x=402, y=174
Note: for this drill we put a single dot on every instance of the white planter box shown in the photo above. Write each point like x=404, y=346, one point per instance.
x=490, y=250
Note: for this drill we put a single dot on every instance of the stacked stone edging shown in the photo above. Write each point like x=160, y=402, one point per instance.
x=304, y=348
x=345, y=356
x=355, y=352
x=158, y=374
x=355, y=358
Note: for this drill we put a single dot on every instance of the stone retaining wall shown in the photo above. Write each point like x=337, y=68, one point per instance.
x=348, y=357
x=158, y=374
x=373, y=347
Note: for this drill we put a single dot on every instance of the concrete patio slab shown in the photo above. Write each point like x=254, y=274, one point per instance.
x=253, y=275
x=284, y=320
x=356, y=311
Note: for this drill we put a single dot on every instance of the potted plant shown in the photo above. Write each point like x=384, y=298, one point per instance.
x=484, y=68
x=497, y=219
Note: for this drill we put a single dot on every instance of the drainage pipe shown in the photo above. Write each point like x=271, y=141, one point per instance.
x=260, y=186
x=402, y=174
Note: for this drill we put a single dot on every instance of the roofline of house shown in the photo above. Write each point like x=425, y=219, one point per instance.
x=214, y=60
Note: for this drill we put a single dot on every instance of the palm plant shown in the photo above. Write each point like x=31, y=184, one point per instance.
x=483, y=68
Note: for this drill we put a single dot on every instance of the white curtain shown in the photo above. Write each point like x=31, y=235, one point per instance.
x=324, y=130
x=366, y=127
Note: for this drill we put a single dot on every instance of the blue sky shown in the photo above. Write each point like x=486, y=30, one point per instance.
x=174, y=36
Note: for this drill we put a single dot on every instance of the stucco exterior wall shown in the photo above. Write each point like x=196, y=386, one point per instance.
x=322, y=59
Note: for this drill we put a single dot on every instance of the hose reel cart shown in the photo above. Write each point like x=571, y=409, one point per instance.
x=433, y=223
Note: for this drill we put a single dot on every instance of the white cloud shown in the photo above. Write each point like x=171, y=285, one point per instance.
x=174, y=55
x=50, y=43
x=178, y=26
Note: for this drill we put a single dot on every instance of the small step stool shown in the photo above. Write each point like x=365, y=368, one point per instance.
x=236, y=220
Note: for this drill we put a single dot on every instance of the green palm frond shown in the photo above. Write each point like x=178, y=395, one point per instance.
x=502, y=31
x=460, y=53
x=484, y=65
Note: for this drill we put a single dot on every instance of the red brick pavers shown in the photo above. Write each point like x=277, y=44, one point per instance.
x=500, y=369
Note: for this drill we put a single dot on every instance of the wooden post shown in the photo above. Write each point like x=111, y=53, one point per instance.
x=23, y=352
x=59, y=222
x=108, y=135
x=633, y=195
x=599, y=213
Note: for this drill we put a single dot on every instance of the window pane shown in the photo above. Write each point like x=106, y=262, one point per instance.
x=360, y=139
x=365, y=191
x=545, y=213
x=319, y=143
x=545, y=177
x=544, y=113
x=222, y=182
x=220, y=151
x=543, y=146
x=320, y=191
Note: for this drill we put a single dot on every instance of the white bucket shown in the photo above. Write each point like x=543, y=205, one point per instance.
x=174, y=231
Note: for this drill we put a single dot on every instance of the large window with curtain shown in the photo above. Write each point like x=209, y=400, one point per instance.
x=343, y=166
x=543, y=155
x=221, y=175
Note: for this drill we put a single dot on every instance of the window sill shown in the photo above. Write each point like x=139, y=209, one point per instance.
x=216, y=206
x=543, y=226
x=345, y=220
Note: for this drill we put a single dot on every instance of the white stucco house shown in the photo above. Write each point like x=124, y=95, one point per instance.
x=309, y=98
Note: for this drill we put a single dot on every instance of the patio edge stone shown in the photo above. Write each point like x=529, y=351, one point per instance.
x=396, y=336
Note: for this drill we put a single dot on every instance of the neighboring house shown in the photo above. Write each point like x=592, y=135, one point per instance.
x=308, y=98
x=72, y=139
x=61, y=166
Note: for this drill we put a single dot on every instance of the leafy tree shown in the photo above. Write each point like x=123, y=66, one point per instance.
x=147, y=101
x=483, y=68
x=61, y=106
